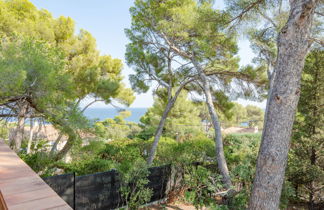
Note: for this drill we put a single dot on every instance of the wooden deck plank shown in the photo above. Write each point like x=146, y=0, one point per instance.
x=39, y=204
x=28, y=196
x=22, y=188
x=14, y=188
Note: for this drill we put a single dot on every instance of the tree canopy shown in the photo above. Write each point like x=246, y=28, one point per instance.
x=51, y=68
x=183, y=121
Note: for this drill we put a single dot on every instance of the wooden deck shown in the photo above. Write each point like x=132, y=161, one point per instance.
x=21, y=188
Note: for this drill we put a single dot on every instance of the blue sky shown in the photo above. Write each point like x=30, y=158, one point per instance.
x=106, y=21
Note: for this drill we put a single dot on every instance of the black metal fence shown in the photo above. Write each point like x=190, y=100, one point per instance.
x=102, y=190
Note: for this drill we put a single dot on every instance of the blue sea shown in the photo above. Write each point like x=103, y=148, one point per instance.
x=104, y=113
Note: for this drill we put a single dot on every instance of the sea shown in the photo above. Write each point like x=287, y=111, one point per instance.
x=104, y=113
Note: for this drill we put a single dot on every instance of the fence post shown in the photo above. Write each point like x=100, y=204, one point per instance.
x=113, y=188
x=74, y=202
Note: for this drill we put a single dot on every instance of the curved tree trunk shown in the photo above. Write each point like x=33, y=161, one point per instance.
x=57, y=141
x=72, y=138
x=221, y=161
x=293, y=45
x=171, y=102
x=160, y=127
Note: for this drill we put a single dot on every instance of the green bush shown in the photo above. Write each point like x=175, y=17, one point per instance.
x=133, y=184
x=122, y=151
x=40, y=162
x=194, y=150
x=241, y=152
x=201, y=184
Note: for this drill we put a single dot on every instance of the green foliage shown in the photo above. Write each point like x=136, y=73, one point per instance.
x=49, y=67
x=40, y=162
x=242, y=148
x=88, y=165
x=117, y=128
x=194, y=150
x=238, y=114
x=33, y=67
x=4, y=130
x=201, y=183
x=123, y=151
x=89, y=72
x=305, y=164
x=191, y=30
x=255, y=116
x=133, y=184
x=128, y=157
x=287, y=194
x=86, y=160
x=183, y=121
x=123, y=155
x=241, y=152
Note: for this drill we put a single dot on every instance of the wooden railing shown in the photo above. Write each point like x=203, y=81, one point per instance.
x=21, y=188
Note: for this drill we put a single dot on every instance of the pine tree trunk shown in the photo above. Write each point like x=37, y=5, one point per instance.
x=19, y=132
x=221, y=161
x=160, y=127
x=72, y=138
x=293, y=45
x=37, y=135
x=57, y=141
x=31, y=134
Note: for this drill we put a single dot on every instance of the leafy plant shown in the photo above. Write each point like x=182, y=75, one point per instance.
x=133, y=184
x=201, y=184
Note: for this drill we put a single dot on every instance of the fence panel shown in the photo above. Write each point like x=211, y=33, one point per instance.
x=97, y=191
x=158, y=181
x=63, y=185
x=101, y=190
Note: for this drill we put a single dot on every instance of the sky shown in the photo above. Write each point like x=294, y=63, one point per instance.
x=106, y=21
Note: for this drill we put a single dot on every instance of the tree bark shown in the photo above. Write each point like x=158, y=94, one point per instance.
x=37, y=134
x=31, y=134
x=221, y=161
x=72, y=138
x=160, y=127
x=19, y=132
x=293, y=45
x=57, y=141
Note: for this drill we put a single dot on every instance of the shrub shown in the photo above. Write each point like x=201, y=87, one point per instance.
x=195, y=150
x=133, y=184
x=241, y=152
x=201, y=184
